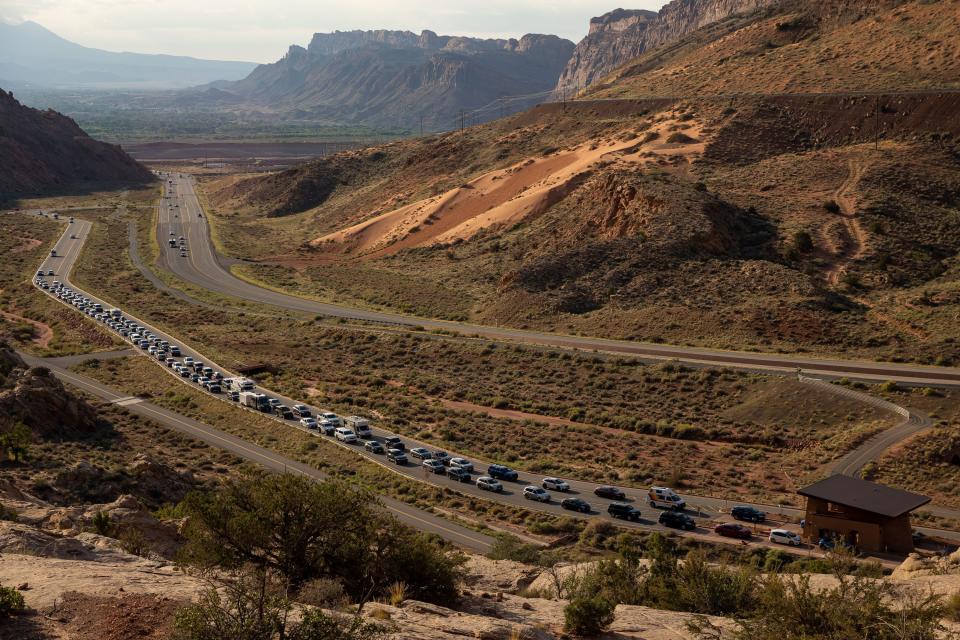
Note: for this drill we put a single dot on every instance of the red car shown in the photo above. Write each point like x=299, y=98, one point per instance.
x=733, y=530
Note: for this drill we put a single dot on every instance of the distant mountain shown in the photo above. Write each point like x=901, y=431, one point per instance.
x=393, y=78
x=619, y=36
x=31, y=55
x=44, y=150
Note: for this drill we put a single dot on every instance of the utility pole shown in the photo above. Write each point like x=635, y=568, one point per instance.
x=421, y=125
x=462, y=116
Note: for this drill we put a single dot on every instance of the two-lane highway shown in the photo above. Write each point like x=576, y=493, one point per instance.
x=203, y=267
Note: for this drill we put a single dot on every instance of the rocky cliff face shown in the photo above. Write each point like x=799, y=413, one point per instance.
x=43, y=150
x=396, y=77
x=617, y=37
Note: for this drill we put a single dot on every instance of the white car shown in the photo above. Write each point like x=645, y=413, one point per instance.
x=556, y=484
x=489, y=484
x=782, y=536
x=536, y=493
x=308, y=423
x=332, y=417
x=344, y=434
x=461, y=463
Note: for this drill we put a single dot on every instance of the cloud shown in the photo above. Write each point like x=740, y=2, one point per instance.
x=261, y=30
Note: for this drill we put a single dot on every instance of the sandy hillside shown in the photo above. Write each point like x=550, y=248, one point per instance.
x=507, y=196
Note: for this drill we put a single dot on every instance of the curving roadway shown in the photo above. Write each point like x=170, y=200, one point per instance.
x=181, y=212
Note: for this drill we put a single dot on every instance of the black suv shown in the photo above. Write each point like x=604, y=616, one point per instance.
x=747, y=514
x=576, y=504
x=283, y=412
x=624, y=511
x=501, y=472
x=396, y=456
x=677, y=520
x=606, y=491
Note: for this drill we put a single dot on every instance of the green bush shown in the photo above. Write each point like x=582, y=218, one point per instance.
x=101, y=523
x=11, y=602
x=588, y=616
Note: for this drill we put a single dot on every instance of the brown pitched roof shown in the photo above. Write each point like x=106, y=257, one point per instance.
x=864, y=495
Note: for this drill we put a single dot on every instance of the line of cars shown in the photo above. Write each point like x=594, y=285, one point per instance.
x=354, y=429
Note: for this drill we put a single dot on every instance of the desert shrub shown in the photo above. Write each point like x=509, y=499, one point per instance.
x=775, y=560
x=889, y=386
x=133, y=541
x=803, y=241
x=15, y=443
x=832, y=206
x=11, y=602
x=101, y=523
x=322, y=592
x=303, y=530
x=253, y=606
x=556, y=526
x=856, y=607
x=588, y=616
x=678, y=137
x=597, y=533
x=689, y=432
x=507, y=547
x=953, y=607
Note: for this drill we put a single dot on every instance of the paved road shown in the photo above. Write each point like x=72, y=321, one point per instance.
x=203, y=267
x=704, y=509
x=412, y=516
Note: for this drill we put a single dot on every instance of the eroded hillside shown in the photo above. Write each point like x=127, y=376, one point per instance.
x=797, y=222
x=798, y=46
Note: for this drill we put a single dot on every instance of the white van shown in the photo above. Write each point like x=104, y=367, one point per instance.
x=665, y=498
x=243, y=384
x=360, y=425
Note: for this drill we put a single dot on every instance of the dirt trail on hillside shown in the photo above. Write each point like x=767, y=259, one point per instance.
x=44, y=332
x=855, y=238
x=503, y=197
x=854, y=246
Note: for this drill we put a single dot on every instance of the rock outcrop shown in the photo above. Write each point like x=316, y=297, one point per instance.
x=71, y=531
x=617, y=37
x=45, y=150
x=36, y=398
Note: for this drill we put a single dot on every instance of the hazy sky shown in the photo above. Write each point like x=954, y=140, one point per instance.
x=261, y=30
